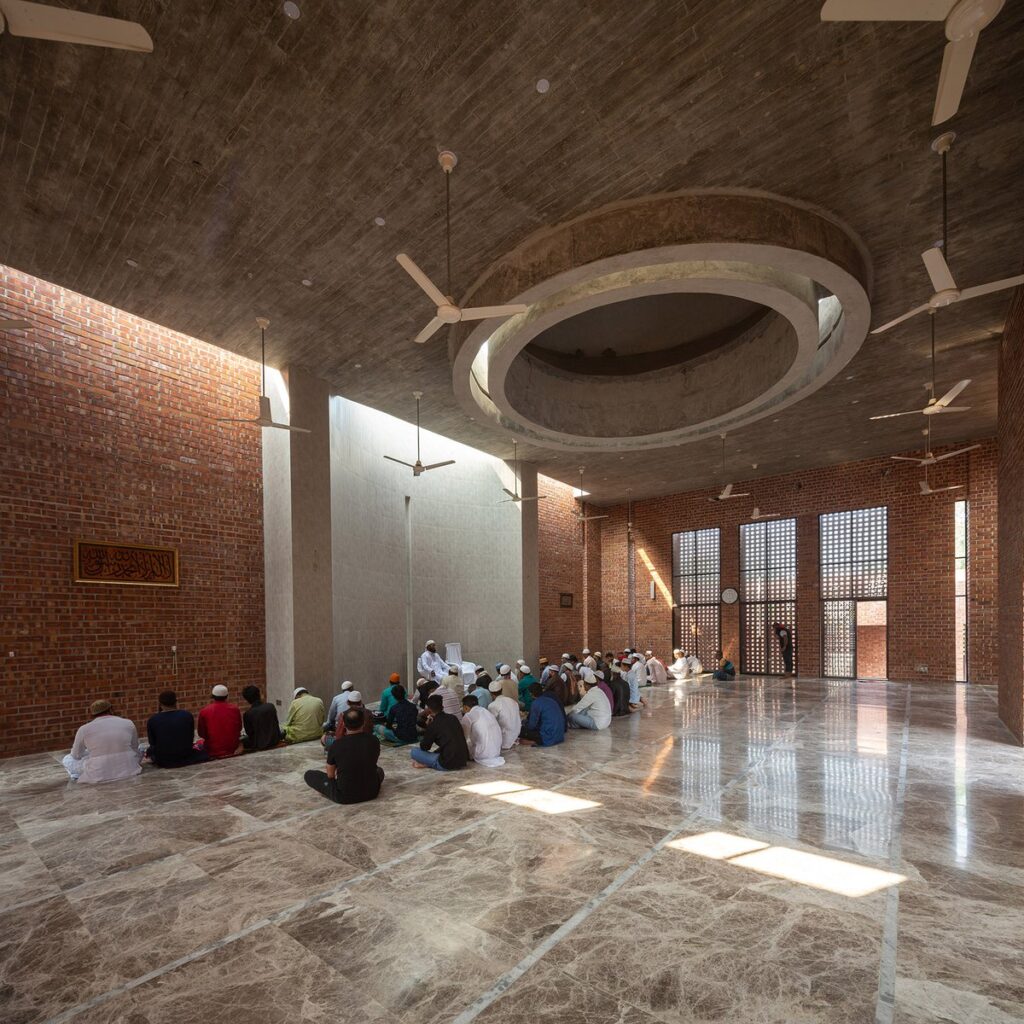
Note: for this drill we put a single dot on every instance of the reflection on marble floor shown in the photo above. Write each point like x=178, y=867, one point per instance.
x=693, y=863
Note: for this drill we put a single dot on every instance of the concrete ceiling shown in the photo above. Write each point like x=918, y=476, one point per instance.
x=251, y=152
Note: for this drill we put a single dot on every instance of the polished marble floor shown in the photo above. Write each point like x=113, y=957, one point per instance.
x=733, y=854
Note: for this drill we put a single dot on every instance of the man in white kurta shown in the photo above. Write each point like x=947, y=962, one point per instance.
x=636, y=677
x=506, y=712
x=483, y=734
x=431, y=665
x=657, y=674
x=106, y=748
x=593, y=710
x=680, y=667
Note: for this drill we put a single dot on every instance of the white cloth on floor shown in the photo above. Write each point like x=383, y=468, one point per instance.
x=483, y=737
x=506, y=711
x=105, y=750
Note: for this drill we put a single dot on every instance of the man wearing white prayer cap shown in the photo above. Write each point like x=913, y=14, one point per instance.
x=657, y=674
x=586, y=651
x=431, y=665
x=506, y=712
x=593, y=711
x=339, y=705
x=509, y=687
x=305, y=717
x=483, y=734
x=636, y=677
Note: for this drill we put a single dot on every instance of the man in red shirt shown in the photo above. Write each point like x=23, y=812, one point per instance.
x=220, y=725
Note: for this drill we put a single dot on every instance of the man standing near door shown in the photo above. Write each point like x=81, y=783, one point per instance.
x=784, y=637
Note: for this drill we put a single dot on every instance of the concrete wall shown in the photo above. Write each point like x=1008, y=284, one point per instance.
x=468, y=551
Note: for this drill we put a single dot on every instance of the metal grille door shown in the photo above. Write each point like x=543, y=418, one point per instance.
x=697, y=578
x=767, y=593
x=854, y=566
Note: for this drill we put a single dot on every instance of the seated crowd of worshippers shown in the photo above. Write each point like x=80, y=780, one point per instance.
x=448, y=721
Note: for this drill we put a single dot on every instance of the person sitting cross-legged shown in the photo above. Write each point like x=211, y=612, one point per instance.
x=220, y=725
x=262, y=729
x=171, y=733
x=353, y=775
x=305, y=717
x=545, y=725
x=726, y=669
x=593, y=710
x=483, y=734
x=106, y=748
x=506, y=713
x=387, y=698
x=399, y=726
x=445, y=731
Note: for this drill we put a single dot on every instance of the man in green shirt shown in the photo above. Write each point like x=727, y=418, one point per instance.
x=305, y=717
x=387, y=698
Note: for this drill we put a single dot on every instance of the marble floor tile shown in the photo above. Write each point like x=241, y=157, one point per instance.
x=231, y=892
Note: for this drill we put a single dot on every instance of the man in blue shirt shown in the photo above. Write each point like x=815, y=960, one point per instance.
x=545, y=726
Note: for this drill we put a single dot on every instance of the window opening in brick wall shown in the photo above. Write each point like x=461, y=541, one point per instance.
x=854, y=569
x=696, y=579
x=961, y=557
x=767, y=593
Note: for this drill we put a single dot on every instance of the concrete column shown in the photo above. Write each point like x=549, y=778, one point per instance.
x=312, y=569
x=530, y=577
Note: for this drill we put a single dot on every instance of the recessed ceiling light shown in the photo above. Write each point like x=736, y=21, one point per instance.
x=543, y=85
x=359, y=366
x=855, y=401
x=291, y=9
x=306, y=281
x=850, y=377
x=132, y=263
x=379, y=221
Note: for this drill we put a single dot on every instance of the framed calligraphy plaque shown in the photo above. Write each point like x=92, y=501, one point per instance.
x=132, y=565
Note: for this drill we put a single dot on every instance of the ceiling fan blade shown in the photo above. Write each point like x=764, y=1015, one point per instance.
x=511, y=494
x=39, y=21
x=938, y=269
x=952, y=393
x=907, y=458
x=507, y=501
x=429, y=331
x=935, y=410
x=740, y=494
x=726, y=491
x=993, y=286
x=14, y=325
x=391, y=458
x=486, y=312
x=956, y=63
x=893, y=415
x=886, y=10
x=959, y=451
x=438, y=465
x=900, y=319
x=590, y=519
x=221, y=419
x=433, y=292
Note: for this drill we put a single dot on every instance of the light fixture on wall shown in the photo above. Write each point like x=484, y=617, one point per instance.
x=447, y=312
x=515, y=496
x=417, y=467
x=266, y=417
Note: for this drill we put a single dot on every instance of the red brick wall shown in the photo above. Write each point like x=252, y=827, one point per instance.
x=560, y=570
x=1011, y=516
x=107, y=432
x=921, y=606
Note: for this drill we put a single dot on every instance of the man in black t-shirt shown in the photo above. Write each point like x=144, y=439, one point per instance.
x=262, y=729
x=171, y=733
x=352, y=774
x=446, y=731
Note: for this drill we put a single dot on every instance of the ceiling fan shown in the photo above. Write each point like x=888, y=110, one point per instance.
x=926, y=488
x=417, y=467
x=930, y=459
x=934, y=405
x=727, y=491
x=946, y=290
x=266, y=417
x=14, y=325
x=447, y=311
x=39, y=21
x=758, y=514
x=581, y=518
x=515, y=495
x=964, y=19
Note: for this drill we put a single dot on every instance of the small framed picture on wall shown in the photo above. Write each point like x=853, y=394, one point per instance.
x=565, y=600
